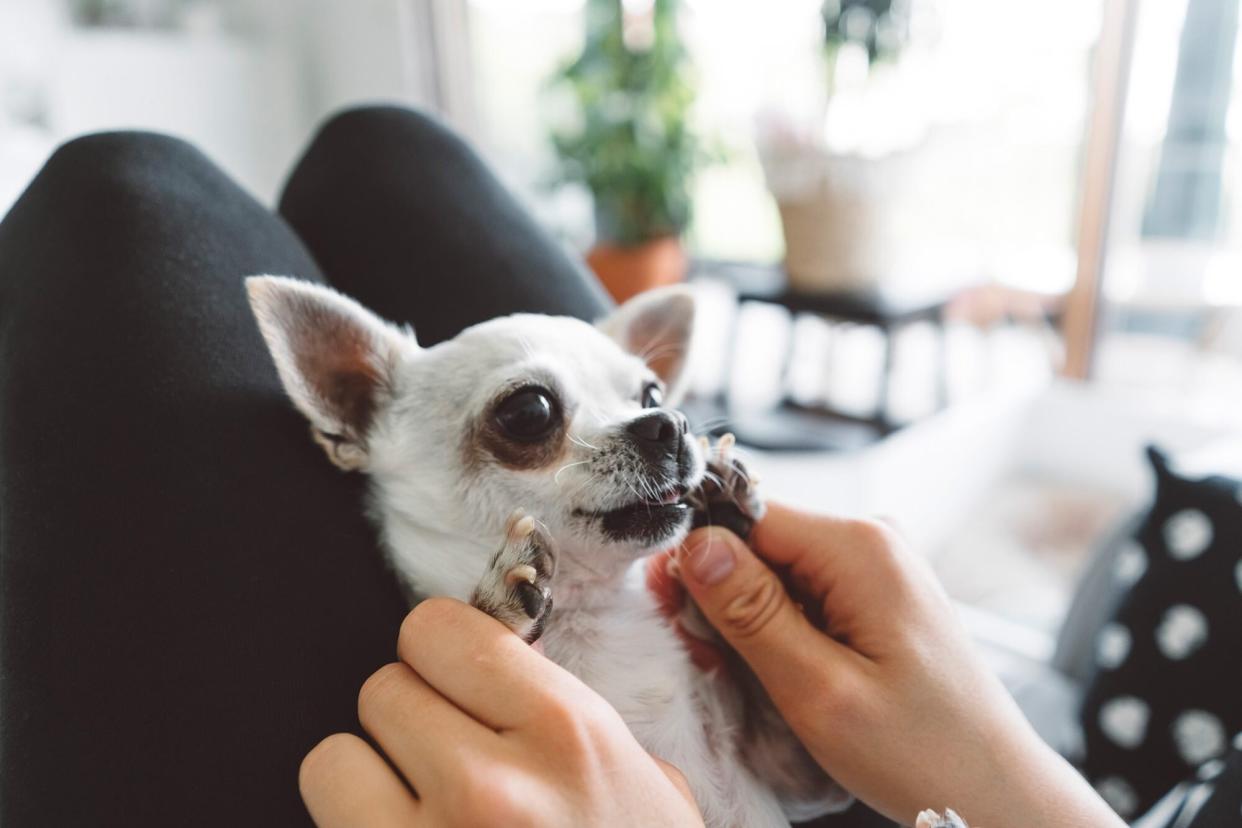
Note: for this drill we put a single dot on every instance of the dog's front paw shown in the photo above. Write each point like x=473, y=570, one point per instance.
x=517, y=589
x=728, y=495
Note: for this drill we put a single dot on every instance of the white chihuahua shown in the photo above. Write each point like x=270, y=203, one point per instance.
x=569, y=423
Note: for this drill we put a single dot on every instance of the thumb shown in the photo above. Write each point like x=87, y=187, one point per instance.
x=747, y=604
x=678, y=779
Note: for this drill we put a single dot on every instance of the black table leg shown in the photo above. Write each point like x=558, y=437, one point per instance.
x=787, y=360
x=883, y=420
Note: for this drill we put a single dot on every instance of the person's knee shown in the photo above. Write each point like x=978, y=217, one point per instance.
x=122, y=147
x=116, y=168
x=380, y=121
x=374, y=133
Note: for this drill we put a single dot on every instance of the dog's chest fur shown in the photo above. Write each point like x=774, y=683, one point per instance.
x=614, y=640
x=608, y=632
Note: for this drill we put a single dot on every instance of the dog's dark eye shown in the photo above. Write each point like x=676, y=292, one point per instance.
x=653, y=397
x=528, y=414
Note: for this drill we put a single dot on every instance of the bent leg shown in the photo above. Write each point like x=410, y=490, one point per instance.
x=189, y=595
x=402, y=215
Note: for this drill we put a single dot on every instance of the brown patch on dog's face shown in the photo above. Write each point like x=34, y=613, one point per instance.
x=487, y=439
x=522, y=456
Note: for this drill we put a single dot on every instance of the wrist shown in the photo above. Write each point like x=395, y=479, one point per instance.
x=1038, y=787
x=1016, y=778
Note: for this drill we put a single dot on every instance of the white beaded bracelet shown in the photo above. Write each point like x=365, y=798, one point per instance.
x=931, y=819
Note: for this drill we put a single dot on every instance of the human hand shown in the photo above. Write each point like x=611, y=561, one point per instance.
x=862, y=653
x=485, y=731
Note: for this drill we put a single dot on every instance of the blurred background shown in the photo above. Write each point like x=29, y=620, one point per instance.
x=960, y=260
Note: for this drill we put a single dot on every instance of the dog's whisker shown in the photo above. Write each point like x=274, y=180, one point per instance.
x=712, y=424
x=525, y=345
x=556, y=478
x=647, y=488
x=595, y=413
x=576, y=440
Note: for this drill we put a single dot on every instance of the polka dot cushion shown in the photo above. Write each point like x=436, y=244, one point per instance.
x=1167, y=690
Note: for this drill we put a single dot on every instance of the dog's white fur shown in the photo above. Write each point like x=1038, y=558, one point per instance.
x=441, y=502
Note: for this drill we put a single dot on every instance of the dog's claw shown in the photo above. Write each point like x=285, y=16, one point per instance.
x=516, y=590
x=727, y=496
x=520, y=573
x=520, y=525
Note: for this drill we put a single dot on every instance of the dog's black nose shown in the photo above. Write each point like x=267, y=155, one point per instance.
x=658, y=435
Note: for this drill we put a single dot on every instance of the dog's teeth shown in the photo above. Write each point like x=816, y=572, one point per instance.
x=704, y=444
x=519, y=573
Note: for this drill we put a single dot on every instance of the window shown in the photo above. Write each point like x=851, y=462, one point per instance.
x=1172, y=287
x=1000, y=88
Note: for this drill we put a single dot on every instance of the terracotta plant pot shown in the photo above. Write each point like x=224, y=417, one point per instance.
x=629, y=270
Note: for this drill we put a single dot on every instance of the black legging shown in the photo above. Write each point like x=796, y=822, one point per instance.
x=190, y=596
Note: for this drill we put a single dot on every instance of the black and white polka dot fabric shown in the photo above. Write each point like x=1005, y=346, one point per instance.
x=1167, y=692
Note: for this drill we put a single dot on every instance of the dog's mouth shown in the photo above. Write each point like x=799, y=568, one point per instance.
x=664, y=498
x=649, y=518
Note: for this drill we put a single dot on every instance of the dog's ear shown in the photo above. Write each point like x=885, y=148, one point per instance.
x=657, y=326
x=335, y=358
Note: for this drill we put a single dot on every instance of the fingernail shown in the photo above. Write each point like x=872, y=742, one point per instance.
x=710, y=561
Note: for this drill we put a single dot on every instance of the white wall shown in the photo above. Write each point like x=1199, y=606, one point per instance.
x=247, y=82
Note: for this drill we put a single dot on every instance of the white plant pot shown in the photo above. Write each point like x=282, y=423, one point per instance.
x=841, y=218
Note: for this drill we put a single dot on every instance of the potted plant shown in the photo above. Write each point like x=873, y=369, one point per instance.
x=628, y=141
x=837, y=181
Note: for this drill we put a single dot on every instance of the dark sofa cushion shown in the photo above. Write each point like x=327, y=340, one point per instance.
x=1165, y=695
